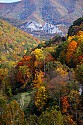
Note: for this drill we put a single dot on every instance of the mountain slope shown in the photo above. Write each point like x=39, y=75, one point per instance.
x=14, y=43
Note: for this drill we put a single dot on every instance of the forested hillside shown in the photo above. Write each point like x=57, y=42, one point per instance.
x=42, y=88
x=14, y=43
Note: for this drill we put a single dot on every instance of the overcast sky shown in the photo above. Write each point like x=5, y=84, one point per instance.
x=8, y=1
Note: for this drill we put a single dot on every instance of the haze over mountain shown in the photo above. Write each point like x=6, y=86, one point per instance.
x=56, y=12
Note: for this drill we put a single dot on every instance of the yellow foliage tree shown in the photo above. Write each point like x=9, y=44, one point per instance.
x=61, y=71
x=41, y=97
x=39, y=54
x=39, y=79
x=80, y=36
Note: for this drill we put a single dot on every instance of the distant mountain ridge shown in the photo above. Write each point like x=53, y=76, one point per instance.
x=54, y=12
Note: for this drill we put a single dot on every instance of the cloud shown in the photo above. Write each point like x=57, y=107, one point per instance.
x=8, y=1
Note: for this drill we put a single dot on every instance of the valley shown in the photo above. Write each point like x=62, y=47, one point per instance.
x=41, y=82
x=41, y=62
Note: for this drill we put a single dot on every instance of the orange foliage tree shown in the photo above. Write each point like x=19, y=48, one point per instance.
x=23, y=75
x=65, y=104
x=70, y=50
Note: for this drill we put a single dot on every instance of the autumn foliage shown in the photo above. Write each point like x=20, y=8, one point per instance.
x=65, y=104
x=70, y=51
x=46, y=80
x=13, y=114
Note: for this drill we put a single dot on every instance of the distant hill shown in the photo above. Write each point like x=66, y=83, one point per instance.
x=56, y=12
x=53, y=11
x=14, y=43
